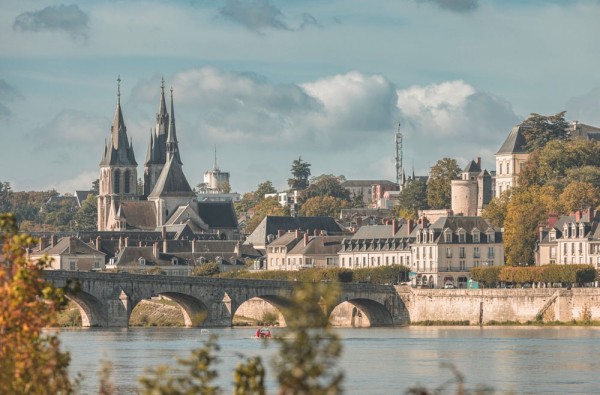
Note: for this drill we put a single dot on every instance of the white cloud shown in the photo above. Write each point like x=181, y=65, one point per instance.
x=79, y=182
x=67, y=18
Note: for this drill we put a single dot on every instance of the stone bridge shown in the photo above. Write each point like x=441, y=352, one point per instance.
x=107, y=299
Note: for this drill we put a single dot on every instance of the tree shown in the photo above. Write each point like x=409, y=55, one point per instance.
x=268, y=206
x=323, y=206
x=96, y=186
x=263, y=189
x=206, y=269
x=5, y=197
x=579, y=195
x=438, y=187
x=413, y=198
x=307, y=362
x=588, y=174
x=538, y=130
x=325, y=185
x=31, y=361
x=496, y=210
x=527, y=208
x=225, y=187
x=86, y=218
x=300, y=173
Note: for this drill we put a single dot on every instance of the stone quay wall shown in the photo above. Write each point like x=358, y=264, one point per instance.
x=481, y=306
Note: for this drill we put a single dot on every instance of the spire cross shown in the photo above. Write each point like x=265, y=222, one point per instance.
x=119, y=88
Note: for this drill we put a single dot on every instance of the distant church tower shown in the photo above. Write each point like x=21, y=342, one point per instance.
x=214, y=179
x=118, y=169
x=156, y=156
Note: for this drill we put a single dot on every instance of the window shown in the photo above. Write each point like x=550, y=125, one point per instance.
x=462, y=265
x=387, y=258
x=476, y=263
x=490, y=252
x=552, y=252
x=117, y=181
x=462, y=253
x=448, y=237
x=342, y=261
x=127, y=181
x=448, y=252
x=475, y=237
x=461, y=237
x=73, y=265
x=96, y=265
x=552, y=236
x=476, y=252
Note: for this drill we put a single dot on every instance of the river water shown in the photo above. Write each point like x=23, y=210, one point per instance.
x=522, y=360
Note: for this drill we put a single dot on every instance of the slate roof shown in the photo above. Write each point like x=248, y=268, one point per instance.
x=82, y=195
x=217, y=214
x=455, y=223
x=139, y=214
x=118, y=150
x=515, y=142
x=72, y=246
x=270, y=225
x=472, y=167
x=319, y=245
x=374, y=232
x=172, y=181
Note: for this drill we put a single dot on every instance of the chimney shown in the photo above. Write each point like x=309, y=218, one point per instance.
x=52, y=240
x=305, y=239
x=298, y=234
x=578, y=216
x=411, y=226
x=552, y=218
x=280, y=232
x=165, y=245
x=238, y=249
x=315, y=232
x=126, y=241
x=163, y=233
x=98, y=243
x=479, y=161
x=193, y=246
x=72, y=245
x=394, y=227
x=155, y=250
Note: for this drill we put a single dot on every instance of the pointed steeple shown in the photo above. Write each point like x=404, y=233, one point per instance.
x=172, y=144
x=118, y=151
x=162, y=125
x=216, y=167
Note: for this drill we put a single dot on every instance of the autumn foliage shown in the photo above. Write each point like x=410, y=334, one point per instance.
x=30, y=359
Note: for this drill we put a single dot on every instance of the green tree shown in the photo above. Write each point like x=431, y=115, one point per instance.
x=588, y=174
x=300, y=173
x=413, y=198
x=438, y=187
x=307, y=362
x=496, y=210
x=538, y=130
x=527, y=208
x=263, y=189
x=31, y=361
x=86, y=218
x=206, y=269
x=5, y=197
x=323, y=206
x=326, y=185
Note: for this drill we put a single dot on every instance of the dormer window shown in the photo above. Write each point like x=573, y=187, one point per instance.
x=581, y=230
x=462, y=236
x=476, y=235
x=174, y=261
x=142, y=261
x=431, y=236
x=566, y=231
x=447, y=235
x=491, y=235
x=552, y=235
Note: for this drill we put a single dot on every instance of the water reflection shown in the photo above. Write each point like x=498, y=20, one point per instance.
x=528, y=360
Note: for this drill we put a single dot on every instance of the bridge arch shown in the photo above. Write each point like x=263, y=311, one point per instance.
x=255, y=307
x=361, y=312
x=93, y=312
x=194, y=311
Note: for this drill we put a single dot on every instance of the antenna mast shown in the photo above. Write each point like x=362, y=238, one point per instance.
x=399, y=166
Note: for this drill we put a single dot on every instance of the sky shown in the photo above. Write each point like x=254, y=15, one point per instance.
x=267, y=81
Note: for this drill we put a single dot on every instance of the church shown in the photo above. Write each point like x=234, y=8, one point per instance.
x=166, y=202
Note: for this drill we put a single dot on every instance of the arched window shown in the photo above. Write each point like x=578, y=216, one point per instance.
x=117, y=181
x=127, y=181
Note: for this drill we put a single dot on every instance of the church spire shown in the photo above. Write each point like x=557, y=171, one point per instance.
x=172, y=143
x=118, y=150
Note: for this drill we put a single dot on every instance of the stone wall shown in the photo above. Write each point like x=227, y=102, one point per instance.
x=503, y=305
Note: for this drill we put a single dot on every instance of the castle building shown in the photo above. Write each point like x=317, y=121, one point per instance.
x=215, y=179
x=510, y=159
x=167, y=200
x=471, y=194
